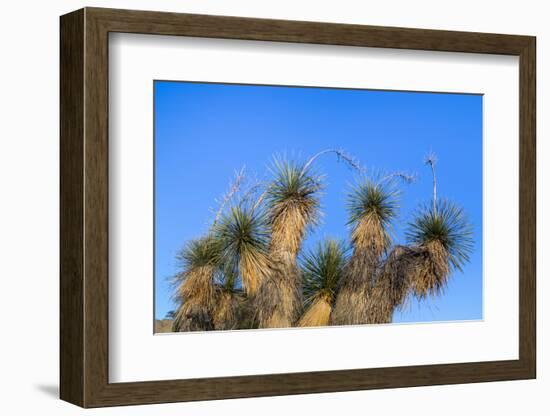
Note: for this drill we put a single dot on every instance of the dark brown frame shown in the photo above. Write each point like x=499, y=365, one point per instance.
x=84, y=207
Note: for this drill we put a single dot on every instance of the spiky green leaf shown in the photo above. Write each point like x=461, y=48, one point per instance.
x=448, y=224
x=322, y=269
x=293, y=182
x=240, y=233
x=371, y=198
x=205, y=251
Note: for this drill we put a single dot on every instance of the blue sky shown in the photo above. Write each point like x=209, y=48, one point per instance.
x=205, y=132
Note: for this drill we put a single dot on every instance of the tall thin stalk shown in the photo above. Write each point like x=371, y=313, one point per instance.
x=234, y=187
x=431, y=160
x=341, y=154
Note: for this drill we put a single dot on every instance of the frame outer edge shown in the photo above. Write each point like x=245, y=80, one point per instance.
x=84, y=208
x=96, y=208
x=528, y=209
x=71, y=319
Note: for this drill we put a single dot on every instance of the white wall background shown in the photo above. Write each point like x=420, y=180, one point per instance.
x=29, y=207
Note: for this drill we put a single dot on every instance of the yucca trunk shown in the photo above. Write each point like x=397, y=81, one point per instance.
x=369, y=241
x=226, y=314
x=279, y=300
x=318, y=313
x=431, y=271
x=254, y=270
x=422, y=271
x=396, y=273
x=197, y=295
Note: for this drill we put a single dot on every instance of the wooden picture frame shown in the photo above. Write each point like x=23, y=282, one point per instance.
x=84, y=207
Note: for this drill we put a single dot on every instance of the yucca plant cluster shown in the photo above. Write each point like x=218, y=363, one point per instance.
x=249, y=270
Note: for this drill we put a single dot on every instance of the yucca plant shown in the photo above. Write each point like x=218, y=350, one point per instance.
x=440, y=240
x=245, y=272
x=292, y=200
x=372, y=205
x=242, y=236
x=292, y=205
x=322, y=269
x=443, y=237
x=196, y=293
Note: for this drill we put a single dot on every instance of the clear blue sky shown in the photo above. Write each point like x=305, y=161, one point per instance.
x=204, y=132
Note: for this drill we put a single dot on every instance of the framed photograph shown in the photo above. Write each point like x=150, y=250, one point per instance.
x=257, y=207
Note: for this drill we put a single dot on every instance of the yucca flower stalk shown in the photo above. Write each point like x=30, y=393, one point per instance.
x=196, y=293
x=234, y=187
x=322, y=269
x=431, y=161
x=442, y=236
x=292, y=205
x=372, y=205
